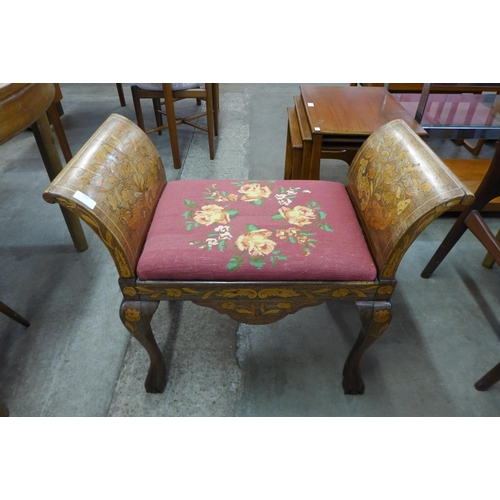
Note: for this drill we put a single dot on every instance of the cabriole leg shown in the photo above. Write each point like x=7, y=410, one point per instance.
x=375, y=318
x=136, y=316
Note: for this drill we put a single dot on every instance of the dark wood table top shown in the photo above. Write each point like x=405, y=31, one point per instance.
x=352, y=110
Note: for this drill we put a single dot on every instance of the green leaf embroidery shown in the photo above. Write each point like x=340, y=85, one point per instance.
x=235, y=262
x=190, y=203
x=257, y=262
x=252, y=227
x=325, y=227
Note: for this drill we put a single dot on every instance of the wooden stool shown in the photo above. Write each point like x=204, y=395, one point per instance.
x=257, y=250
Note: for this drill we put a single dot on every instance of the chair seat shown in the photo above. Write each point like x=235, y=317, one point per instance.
x=255, y=230
x=158, y=87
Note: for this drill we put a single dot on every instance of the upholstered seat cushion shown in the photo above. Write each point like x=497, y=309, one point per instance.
x=255, y=230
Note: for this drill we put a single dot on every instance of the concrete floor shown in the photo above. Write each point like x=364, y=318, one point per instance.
x=77, y=359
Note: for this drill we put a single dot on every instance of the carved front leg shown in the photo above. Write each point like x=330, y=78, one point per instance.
x=375, y=318
x=136, y=316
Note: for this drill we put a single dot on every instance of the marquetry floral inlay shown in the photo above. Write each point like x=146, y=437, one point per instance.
x=388, y=182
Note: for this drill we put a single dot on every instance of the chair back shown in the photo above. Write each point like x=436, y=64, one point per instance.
x=114, y=183
x=398, y=185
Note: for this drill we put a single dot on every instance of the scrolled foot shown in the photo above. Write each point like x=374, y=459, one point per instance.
x=156, y=380
x=375, y=318
x=136, y=316
x=352, y=383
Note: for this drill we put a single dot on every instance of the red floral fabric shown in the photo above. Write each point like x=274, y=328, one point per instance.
x=255, y=230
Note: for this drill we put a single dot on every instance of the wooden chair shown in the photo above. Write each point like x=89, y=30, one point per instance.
x=4, y=411
x=121, y=95
x=168, y=94
x=256, y=250
x=487, y=191
x=476, y=224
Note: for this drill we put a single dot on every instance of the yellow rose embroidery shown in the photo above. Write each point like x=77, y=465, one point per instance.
x=254, y=192
x=300, y=216
x=215, y=195
x=211, y=214
x=255, y=245
x=283, y=234
x=256, y=242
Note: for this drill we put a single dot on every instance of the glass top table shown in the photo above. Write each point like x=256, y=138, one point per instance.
x=470, y=112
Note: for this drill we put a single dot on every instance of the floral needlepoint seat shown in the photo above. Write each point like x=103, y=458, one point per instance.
x=256, y=250
x=255, y=230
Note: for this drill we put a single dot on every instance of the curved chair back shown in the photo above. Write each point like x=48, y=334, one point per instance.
x=398, y=185
x=113, y=184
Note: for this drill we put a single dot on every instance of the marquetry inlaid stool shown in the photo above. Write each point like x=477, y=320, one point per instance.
x=256, y=250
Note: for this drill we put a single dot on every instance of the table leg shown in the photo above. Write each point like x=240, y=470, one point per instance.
x=315, y=157
x=55, y=119
x=45, y=141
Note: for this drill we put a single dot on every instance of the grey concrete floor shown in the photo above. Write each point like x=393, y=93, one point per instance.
x=77, y=359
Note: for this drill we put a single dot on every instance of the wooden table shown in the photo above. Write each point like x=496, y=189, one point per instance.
x=24, y=105
x=346, y=116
